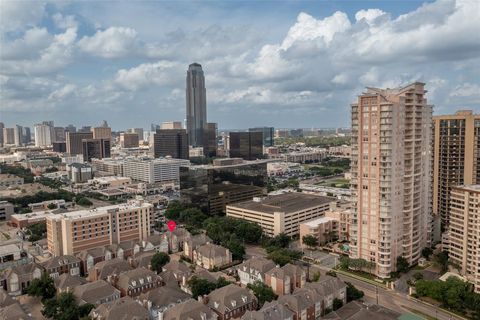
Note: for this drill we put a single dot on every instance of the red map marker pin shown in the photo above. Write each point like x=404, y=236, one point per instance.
x=171, y=225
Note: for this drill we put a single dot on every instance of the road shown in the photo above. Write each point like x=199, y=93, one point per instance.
x=396, y=301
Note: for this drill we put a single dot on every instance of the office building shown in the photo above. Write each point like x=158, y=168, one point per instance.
x=8, y=136
x=210, y=140
x=104, y=133
x=464, y=244
x=170, y=125
x=138, y=131
x=70, y=128
x=170, y=143
x=59, y=147
x=2, y=126
x=268, y=135
x=79, y=172
x=59, y=134
x=246, y=145
x=213, y=187
x=18, y=135
x=154, y=127
x=71, y=232
x=85, y=129
x=43, y=135
x=26, y=135
x=456, y=157
x=281, y=213
x=75, y=141
x=154, y=170
x=107, y=167
x=96, y=148
x=129, y=140
x=196, y=105
x=391, y=176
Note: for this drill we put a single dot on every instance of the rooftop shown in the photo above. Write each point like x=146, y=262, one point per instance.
x=102, y=210
x=288, y=203
x=315, y=222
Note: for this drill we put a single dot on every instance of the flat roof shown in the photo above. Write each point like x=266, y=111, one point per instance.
x=287, y=202
x=470, y=187
x=9, y=249
x=101, y=210
x=315, y=222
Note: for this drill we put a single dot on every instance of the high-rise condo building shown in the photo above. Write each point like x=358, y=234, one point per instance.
x=18, y=132
x=59, y=134
x=70, y=233
x=43, y=135
x=171, y=125
x=102, y=133
x=8, y=136
x=464, y=243
x=391, y=176
x=129, y=140
x=456, y=157
x=246, y=145
x=171, y=142
x=74, y=141
x=268, y=135
x=2, y=126
x=95, y=148
x=196, y=105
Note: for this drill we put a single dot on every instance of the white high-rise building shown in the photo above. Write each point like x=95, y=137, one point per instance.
x=161, y=170
x=43, y=135
x=391, y=176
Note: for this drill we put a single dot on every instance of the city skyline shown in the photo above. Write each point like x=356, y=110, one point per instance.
x=75, y=66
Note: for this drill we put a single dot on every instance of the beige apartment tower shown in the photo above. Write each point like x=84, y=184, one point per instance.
x=464, y=244
x=102, y=133
x=71, y=232
x=456, y=157
x=391, y=176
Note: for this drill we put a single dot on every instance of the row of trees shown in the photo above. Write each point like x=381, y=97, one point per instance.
x=278, y=251
x=19, y=171
x=347, y=263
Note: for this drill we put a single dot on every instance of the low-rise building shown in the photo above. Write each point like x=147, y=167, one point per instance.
x=191, y=310
x=270, y=311
x=9, y=180
x=231, y=301
x=137, y=281
x=96, y=293
x=79, y=172
x=62, y=264
x=357, y=310
x=324, y=229
x=124, y=308
x=109, y=182
x=15, y=280
x=281, y=213
x=211, y=256
x=159, y=300
x=108, y=270
x=27, y=219
x=66, y=282
x=191, y=243
x=6, y=210
x=142, y=259
x=328, y=288
x=304, y=304
x=253, y=270
x=284, y=280
x=12, y=255
x=176, y=239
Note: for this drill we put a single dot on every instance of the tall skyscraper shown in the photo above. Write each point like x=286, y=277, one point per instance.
x=391, y=176
x=246, y=145
x=74, y=141
x=463, y=246
x=43, y=135
x=196, y=105
x=268, y=135
x=95, y=148
x=18, y=132
x=170, y=142
x=2, y=126
x=8, y=136
x=456, y=158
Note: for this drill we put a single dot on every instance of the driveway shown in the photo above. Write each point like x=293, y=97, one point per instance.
x=401, y=284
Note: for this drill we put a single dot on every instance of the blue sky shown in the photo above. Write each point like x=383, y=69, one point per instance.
x=276, y=63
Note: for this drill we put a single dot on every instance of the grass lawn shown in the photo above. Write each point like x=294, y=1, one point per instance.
x=338, y=182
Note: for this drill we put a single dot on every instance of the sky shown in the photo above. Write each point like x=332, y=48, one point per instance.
x=287, y=64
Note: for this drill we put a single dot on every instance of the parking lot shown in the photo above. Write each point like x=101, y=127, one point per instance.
x=324, y=259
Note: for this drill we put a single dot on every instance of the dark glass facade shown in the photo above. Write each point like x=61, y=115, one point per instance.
x=170, y=142
x=95, y=148
x=246, y=145
x=268, y=135
x=210, y=140
x=213, y=187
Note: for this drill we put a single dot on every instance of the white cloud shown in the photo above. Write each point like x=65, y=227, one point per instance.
x=147, y=74
x=20, y=15
x=33, y=41
x=64, y=22
x=113, y=42
x=466, y=90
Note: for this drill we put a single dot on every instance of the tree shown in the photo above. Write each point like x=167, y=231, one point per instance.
x=174, y=209
x=353, y=293
x=236, y=248
x=316, y=276
x=42, y=287
x=64, y=307
x=442, y=260
x=337, y=304
x=193, y=217
x=427, y=252
x=263, y=292
x=402, y=264
x=310, y=240
x=37, y=231
x=331, y=273
x=284, y=256
x=84, y=202
x=159, y=259
x=51, y=206
x=201, y=287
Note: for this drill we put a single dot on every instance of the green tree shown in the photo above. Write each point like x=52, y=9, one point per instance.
x=263, y=292
x=337, y=304
x=37, y=231
x=442, y=260
x=42, y=287
x=284, y=256
x=84, y=202
x=402, y=264
x=310, y=240
x=316, y=276
x=174, y=209
x=353, y=293
x=63, y=307
x=51, y=206
x=200, y=287
x=427, y=252
x=236, y=248
x=192, y=217
x=159, y=259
